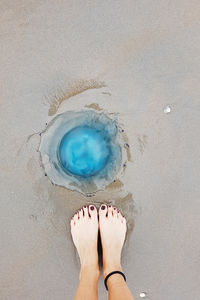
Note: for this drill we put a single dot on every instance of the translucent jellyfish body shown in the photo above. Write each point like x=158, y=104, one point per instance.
x=84, y=151
x=81, y=150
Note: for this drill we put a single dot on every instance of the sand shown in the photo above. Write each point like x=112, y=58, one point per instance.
x=128, y=59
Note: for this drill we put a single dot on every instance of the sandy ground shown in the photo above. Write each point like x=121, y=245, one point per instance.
x=130, y=58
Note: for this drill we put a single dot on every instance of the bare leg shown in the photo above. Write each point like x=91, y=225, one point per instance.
x=84, y=230
x=113, y=230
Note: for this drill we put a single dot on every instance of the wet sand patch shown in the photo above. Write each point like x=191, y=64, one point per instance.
x=74, y=89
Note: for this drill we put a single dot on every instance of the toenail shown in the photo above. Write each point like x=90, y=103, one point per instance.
x=109, y=205
x=92, y=207
x=84, y=206
x=103, y=207
x=114, y=208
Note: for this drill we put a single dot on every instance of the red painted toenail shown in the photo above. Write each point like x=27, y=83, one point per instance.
x=109, y=205
x=84, y=206
x=92, y=207
x=103, y=207
x=114, y=208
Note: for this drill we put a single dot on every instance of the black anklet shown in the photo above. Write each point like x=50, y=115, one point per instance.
x=110, y=274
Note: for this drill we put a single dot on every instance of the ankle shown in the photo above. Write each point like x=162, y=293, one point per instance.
x=108, y=268
x=90, y=273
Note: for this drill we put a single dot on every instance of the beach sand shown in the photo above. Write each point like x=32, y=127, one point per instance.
x=130, y=60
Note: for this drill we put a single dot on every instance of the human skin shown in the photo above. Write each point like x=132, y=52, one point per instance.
x=84, y=230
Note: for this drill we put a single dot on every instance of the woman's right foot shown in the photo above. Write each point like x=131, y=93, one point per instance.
x=113, y=231
x=84, y=230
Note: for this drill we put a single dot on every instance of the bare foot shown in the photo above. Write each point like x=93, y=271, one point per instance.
x=84, y=230
x=113, y=230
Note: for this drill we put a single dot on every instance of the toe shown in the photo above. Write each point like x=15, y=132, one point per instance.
x=114, y=212
x=121, y=217
x=85, y=210
x=110, y=210
x=80, y=214
x=93, y=211
x=76, y=218
x=72, y=223
x=124, y=220
x=103, y=210
x=118, y=214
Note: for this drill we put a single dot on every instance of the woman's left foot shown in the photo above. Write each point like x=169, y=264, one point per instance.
x=84, y=230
